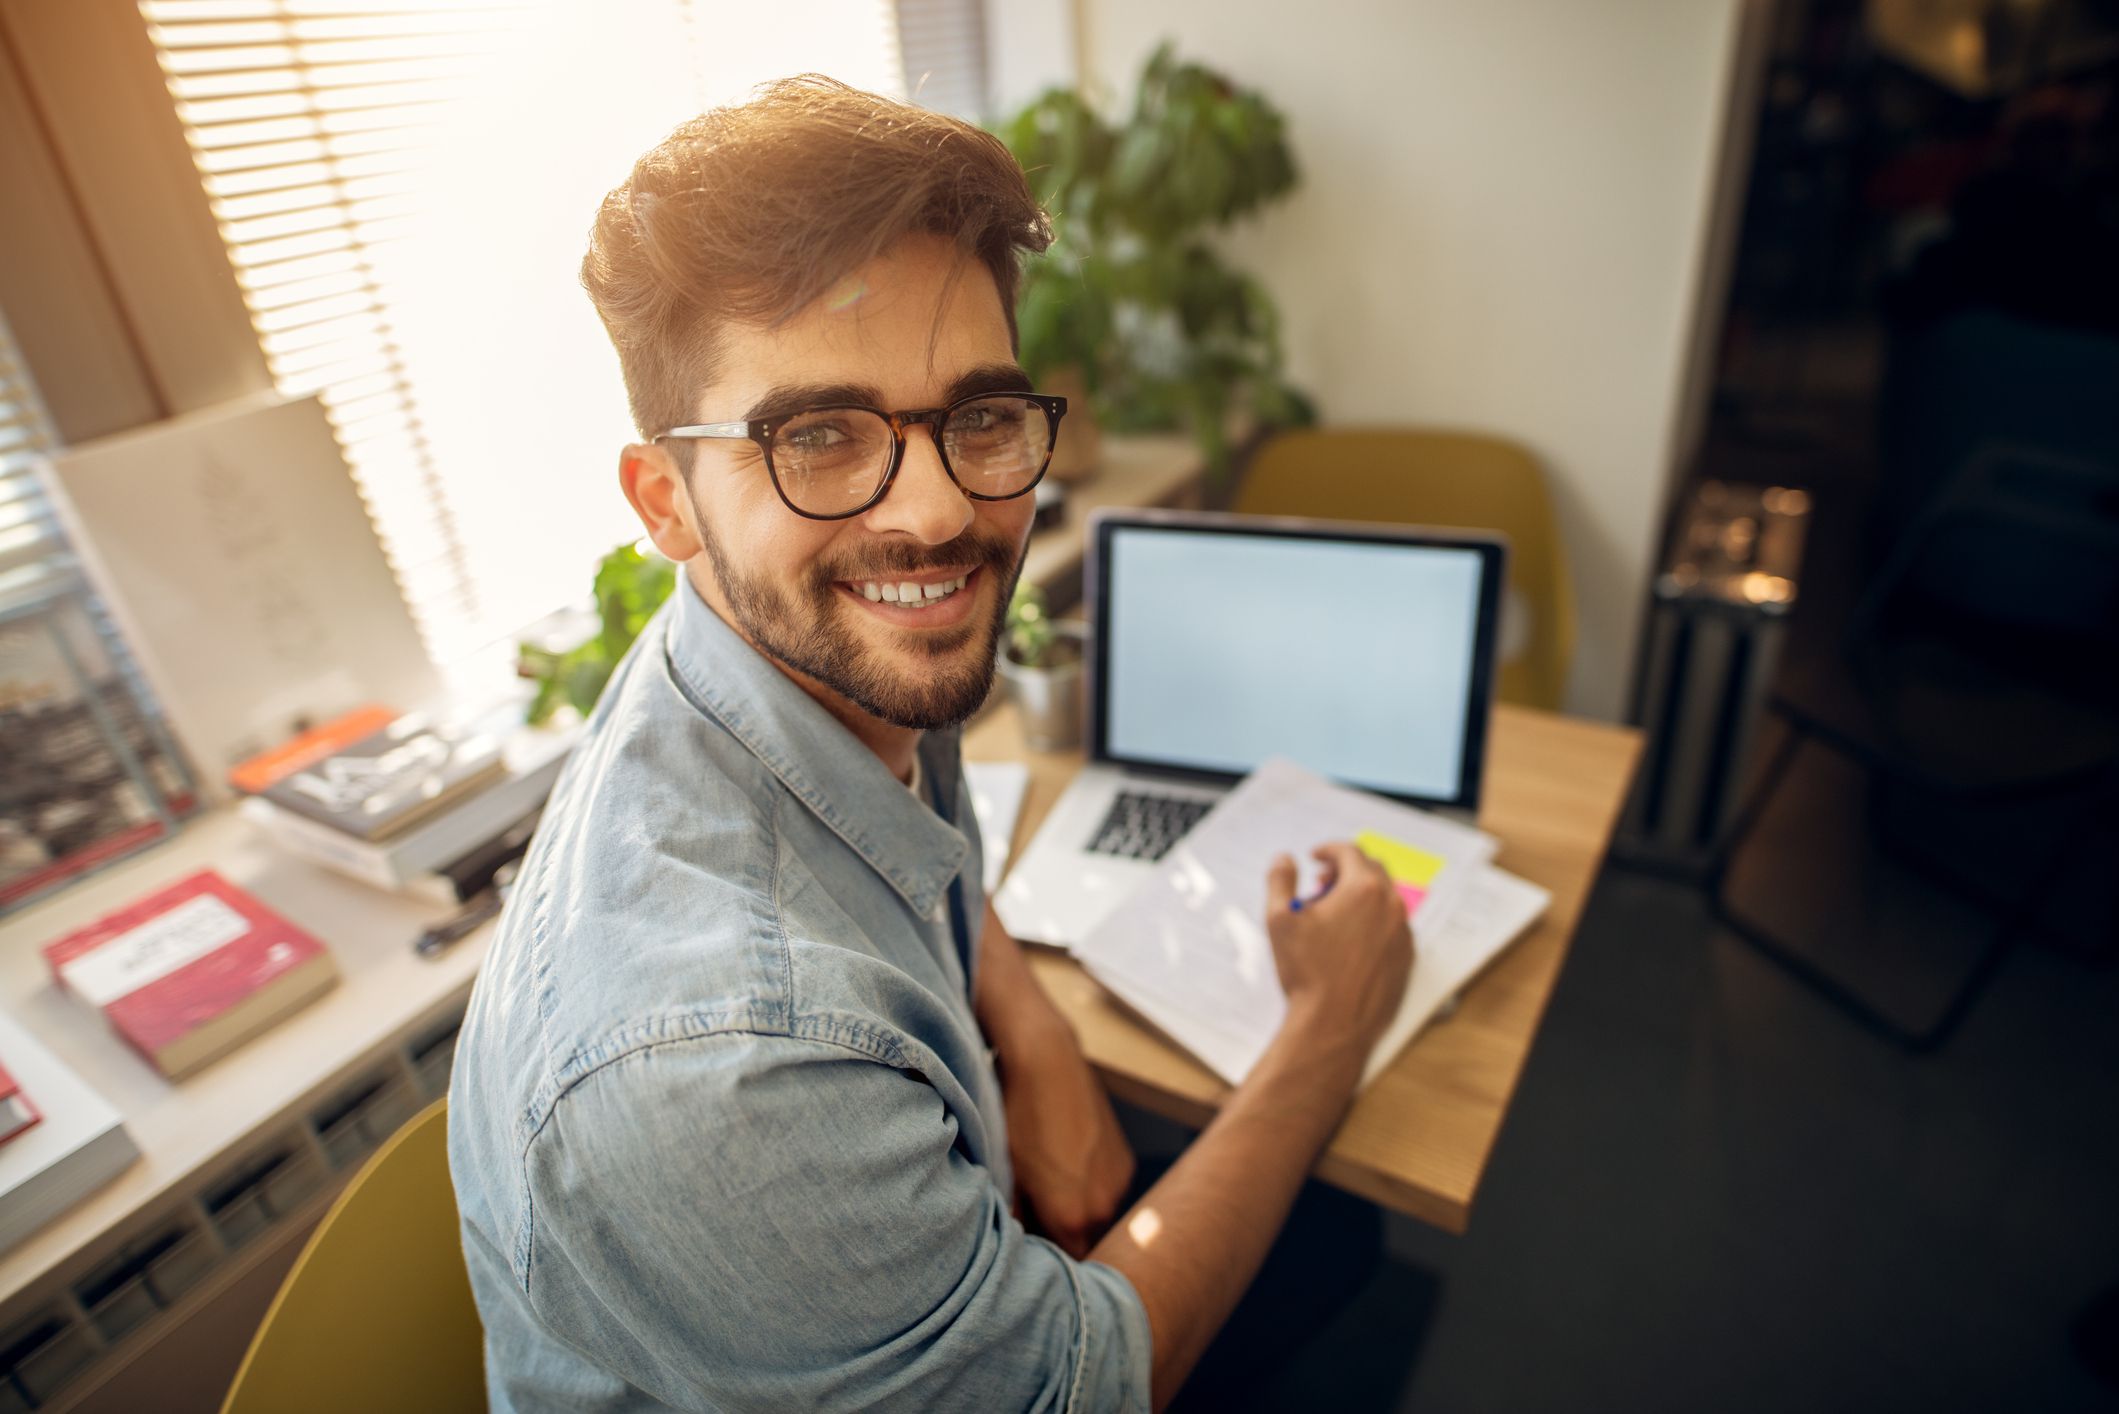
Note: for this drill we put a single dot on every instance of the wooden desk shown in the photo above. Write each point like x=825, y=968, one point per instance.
x=1418, y=1139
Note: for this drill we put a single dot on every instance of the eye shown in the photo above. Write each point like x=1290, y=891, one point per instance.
x=813, y=435
x=989, y=417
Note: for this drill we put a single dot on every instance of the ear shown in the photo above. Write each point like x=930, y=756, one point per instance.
x=654, y=484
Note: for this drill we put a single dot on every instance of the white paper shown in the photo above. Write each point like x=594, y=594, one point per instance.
x=997, y=789
x=1189, y=951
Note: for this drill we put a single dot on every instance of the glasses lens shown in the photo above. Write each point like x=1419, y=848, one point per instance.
x=831, y=461
x=997, y=445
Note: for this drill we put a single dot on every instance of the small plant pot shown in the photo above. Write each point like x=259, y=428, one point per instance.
x=1048, y=699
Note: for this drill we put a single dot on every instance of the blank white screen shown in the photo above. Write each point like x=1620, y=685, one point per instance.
x=1353, y=659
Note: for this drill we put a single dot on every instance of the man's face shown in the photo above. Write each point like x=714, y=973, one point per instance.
x=911, y=329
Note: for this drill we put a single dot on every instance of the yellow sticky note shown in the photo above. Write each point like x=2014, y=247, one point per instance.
x=1401, y=861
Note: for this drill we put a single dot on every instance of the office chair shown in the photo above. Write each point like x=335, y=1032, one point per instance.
x=1461, y=480
x=377, y=1313
x=1974, y=689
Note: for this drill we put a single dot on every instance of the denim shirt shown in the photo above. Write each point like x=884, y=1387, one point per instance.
x=724, y=1130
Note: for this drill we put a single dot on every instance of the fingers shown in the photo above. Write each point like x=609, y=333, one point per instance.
x=1280, y=884
x=1343, y=859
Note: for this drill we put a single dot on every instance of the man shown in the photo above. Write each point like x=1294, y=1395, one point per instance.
x=726, y=1129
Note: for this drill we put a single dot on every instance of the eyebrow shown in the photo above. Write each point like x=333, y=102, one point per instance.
x=792, y=397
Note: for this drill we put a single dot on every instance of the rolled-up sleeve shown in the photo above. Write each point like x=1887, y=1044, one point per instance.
x=745, y=1221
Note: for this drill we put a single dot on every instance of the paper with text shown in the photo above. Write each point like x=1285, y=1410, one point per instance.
x=1189, y=950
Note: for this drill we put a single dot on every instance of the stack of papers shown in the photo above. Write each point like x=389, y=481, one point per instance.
x=1188, y=950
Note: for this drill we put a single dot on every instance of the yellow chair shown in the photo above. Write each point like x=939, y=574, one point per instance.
x=377, y=1313
x=1457, y=479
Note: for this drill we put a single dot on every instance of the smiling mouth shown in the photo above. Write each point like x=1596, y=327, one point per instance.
x=908, y=594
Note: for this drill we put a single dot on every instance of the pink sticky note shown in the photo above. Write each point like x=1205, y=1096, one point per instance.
x=1412, y=894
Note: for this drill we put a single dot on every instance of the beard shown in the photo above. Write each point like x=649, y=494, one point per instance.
x=808, y=630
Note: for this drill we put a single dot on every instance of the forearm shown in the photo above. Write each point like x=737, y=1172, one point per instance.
x=1012, y=1008
x=1194, y=1242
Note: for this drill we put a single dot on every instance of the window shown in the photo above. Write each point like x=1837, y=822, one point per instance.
x=405, y=188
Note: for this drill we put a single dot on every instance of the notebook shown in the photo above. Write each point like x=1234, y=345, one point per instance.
x=1189, y=952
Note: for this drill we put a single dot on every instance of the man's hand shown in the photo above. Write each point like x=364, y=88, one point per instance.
x=1199, y=1235
x=1072, y=1163
x=1345, y=956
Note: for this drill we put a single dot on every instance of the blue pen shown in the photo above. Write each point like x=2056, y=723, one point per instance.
x=1296, y=905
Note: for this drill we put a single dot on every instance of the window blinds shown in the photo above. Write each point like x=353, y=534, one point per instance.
x=943, y=49
x=305, y=121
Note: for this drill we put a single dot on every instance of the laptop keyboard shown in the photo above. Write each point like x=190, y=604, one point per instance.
x=1143, y=826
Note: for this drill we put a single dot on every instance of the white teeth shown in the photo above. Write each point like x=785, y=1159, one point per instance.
x=908, y=593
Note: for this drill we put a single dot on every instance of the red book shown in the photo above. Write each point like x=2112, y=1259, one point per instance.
x=16, y=1112
x=190, y=973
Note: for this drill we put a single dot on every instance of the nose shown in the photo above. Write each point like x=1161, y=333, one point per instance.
x=923, y=501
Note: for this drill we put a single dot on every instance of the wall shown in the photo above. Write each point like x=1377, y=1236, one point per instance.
x=1501, y=226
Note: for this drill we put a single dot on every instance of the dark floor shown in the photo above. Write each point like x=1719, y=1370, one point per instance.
x=1716, y=1193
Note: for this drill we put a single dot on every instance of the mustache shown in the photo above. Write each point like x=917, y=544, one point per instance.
x=883, y=560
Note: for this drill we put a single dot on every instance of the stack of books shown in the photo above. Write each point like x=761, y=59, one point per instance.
x=414, y=802
x=16, y=1112
x=71, y=1143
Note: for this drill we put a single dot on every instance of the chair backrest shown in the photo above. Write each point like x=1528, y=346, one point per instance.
x=377, y=1313
x=1457, y=479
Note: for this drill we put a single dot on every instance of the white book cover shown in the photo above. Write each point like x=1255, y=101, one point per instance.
x=1188, y=950
x=78, y=1146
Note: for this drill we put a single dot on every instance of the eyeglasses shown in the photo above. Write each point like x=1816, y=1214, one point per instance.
x=832, y=462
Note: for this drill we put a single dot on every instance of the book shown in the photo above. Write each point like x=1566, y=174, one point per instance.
x=16, y=1112
x=392, y=778
x=268, y=768
x=416, y=860
x=77, y=1146
x=1188, y=949
x=190, y=972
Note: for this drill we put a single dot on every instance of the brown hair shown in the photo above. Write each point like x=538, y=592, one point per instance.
x=750, y=212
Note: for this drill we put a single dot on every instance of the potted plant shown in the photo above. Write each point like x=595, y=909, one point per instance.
x=631, y=584
x=1132, y=303
x=1041, y=661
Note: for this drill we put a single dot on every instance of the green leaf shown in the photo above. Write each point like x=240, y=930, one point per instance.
x=1132, y=291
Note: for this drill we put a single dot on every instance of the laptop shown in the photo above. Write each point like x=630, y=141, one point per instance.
x=1362, y=651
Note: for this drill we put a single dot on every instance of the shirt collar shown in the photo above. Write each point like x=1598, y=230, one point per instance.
x=824, y=765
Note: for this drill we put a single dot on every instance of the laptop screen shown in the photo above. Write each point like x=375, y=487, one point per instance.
x=1364, y=655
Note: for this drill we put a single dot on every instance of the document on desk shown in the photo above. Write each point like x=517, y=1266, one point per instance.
x=997, y=789
x=1189, y=951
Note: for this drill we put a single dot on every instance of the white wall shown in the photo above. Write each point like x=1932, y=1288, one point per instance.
x=1500, y=227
